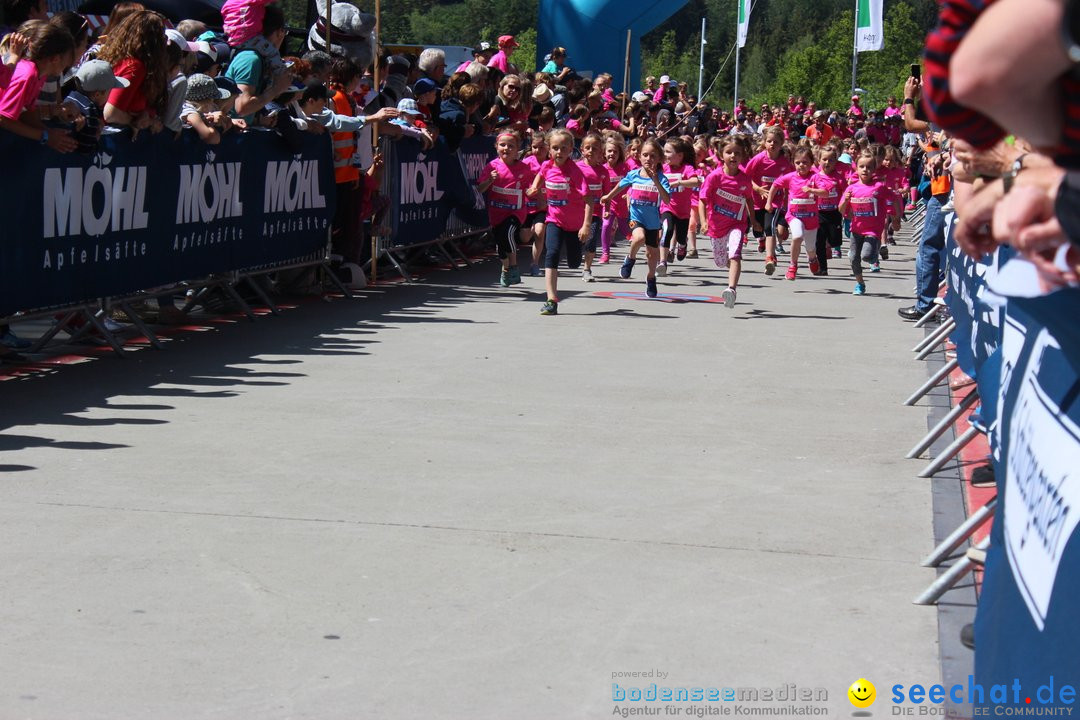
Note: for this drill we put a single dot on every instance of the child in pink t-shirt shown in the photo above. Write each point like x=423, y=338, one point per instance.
x=569, y=216
x=725, y=202
x=868, y=202
x=897, y=178
x=536, y=207
x=679, y=168
x=503, y=183
x=833, y=179
x=803, y=191
x=599, y=182
x=47, y=49
x=617, y=212
x=763, y=169
x=243, y=23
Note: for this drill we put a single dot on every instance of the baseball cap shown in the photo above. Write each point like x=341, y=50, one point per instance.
x=665, y=79
x=639, y=96
x=424, y=85
x=176, y=38
x=854, y=98
x=408, y=106
x=97, y=75
x=507, y=41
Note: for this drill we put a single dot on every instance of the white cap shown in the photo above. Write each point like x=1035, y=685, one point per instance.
x=176, y=38
x=639, y=96
x=665, y=79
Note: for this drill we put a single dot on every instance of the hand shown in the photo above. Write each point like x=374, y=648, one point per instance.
x=239, y=123
x=911, y=88
x=532, y=192
x=17, y=44
x=494, y=175
x=768, y=207
x=386, y=113
x=584, y=233
x=61, y=141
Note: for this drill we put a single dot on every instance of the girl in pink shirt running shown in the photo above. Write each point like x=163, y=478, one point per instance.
x=763, y=169
x=683, y=178
x=725, y=203
x=868, y=202
x=599, y=182
x=803, y=191
x=834, y=180
x=617, y=212
x=536, y=206
x=503, y=183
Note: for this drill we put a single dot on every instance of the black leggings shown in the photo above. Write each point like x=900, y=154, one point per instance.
x=506, y=236
x=675, y=226
x=829, y=235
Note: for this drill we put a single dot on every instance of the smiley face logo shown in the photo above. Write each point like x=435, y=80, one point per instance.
x=862, y=693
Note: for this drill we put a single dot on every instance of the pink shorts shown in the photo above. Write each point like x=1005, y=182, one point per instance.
x=727, y=248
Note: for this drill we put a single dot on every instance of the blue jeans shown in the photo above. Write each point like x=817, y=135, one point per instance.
x=929, y=263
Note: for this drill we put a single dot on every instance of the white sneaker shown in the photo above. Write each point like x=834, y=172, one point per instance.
x=587, y=275
x=729, y=297
x=661, y=269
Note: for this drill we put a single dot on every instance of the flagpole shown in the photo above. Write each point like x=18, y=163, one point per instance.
x=855, y=50
x=701, y=64
x=735, y=102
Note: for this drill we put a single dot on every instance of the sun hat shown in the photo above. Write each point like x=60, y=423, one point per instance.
x=202, y=87
x=409, y=107
x=542, y=93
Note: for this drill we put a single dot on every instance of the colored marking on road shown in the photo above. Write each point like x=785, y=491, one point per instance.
x=662, y=297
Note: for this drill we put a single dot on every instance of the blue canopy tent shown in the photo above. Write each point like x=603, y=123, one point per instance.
x=594, y=33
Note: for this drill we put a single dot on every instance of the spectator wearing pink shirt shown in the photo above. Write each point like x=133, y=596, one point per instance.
x=855, y=109
x=892, y=109
x=48, y=50
x=501, y=60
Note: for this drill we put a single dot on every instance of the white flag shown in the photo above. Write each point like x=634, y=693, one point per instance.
x=869, y=29
x=744, y=21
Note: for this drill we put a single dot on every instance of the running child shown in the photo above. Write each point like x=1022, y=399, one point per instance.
x=763, y=169
x=616, y=213
x=868, y=202
x=682, y=176
x=701, y=152
x=895, y=176
x=569, y=217
x=599, y=182
x=503, y=183
x=536, y=207
x=833, y=179
x=725, y=202
x=648, y=189
x=803, y=192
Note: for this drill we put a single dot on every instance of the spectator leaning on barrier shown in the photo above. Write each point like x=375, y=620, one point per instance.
x=432, y=65
x=94, y=81
x=200, y=109
x=457, y=115
x=257, y=87
x=136, y=50
x=177, y=50
x=48, y=49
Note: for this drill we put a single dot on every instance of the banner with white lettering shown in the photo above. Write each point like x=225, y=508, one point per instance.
x=1027, y=627
x=434, y=183
x=156, y=210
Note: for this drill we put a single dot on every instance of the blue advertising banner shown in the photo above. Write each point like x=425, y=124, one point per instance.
x=156, y=210
x=433, y=184
x=1027, y=628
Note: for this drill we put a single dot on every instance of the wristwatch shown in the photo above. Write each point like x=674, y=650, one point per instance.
x=1009, y=177
x=44, y=136
x=1070, y=30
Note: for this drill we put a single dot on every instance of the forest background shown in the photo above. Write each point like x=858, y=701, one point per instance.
x=794, y=46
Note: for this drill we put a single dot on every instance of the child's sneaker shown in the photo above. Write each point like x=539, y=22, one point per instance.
x=770, y=265
x=605, y=258
x=534, y=270
x=815, y=266
x=761, y=246
x=551, y=307
x=627, y=266
x=587, y=275
x=909, y=207
x=791, y=270
x=504, y=278
x=661, y=269
x=692, y=254
x=837, y=253
x=650, y=287
x=780, y=248
x=680, y=253
x=860, y=289
x=729, y=297
x=884, y=252
x=515, y=276
x=875, y=267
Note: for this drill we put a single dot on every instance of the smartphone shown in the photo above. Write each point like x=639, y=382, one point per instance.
x=916, y=71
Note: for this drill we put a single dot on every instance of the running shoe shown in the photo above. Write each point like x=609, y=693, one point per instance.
x=761, y=246
x=551, y=307
x=661, y=269
x=504, y=278
x=815, y=266
x=605, y=258
x=650, y=287
x=837, y=253
x=860, y=289
x=515, y=275
x=909, y=207
x=729, y=297
x=780, y=248
x=627, y=266
x=875, y=267
x=770, y=265
x=671, y=255
x=680, y=253
x=587, y=275
x=884, y=252
x=534, y=270
x=692, y=254
x=791, y=270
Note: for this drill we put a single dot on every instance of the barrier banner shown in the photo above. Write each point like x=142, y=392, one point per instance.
x=1027, y=628
x=156, y=210
x=978, y=322
x=432, y=184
